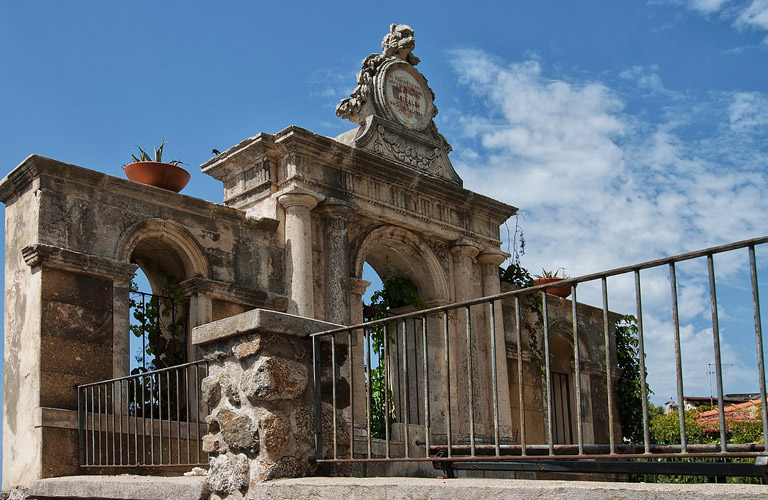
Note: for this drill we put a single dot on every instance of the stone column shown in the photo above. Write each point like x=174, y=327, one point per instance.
x=356, y=291
x=463, y=257
x=299, y=279
x=336, y=261
x=490, y=260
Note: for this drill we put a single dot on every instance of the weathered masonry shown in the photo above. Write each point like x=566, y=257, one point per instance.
x=281, y=258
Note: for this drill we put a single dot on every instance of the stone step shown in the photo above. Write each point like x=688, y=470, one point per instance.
x=123, y=487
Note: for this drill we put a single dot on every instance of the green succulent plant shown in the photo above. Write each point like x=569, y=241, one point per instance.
x=552, y=274
x=144, y=156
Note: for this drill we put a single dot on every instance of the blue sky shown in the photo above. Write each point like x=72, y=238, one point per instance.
x=623, y=130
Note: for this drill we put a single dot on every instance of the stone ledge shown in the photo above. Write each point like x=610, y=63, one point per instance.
x=321, y=488
x=258, y=321
x=318, y=488
x=121, y=488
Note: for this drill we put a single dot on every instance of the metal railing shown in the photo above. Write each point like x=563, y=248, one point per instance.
x=151, y=419
x=453, y=352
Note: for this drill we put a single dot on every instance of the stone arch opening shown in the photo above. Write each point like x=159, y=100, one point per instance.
x=396, y=252
x=167, y=255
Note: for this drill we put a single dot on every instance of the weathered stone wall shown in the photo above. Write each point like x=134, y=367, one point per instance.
x=21, y=385
x=71, y=237
x=593, y=368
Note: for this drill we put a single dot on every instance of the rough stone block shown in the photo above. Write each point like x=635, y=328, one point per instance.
x=228, y=473
x=77, y=288
x=249, y=348
x=283, y=468
x=238, y=431
x=274, y=429
x=273, y=378
x=210, y=391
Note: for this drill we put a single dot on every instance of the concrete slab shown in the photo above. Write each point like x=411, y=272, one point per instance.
x=124, y=487
x=493, y=489
x=258, y=320
x=320, y=488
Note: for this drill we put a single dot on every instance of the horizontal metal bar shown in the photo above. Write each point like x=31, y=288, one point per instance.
x=147, y=466
x=570, y=281
x=604, y=449
x=493, y=458
x=145, y=374
x=624, y=466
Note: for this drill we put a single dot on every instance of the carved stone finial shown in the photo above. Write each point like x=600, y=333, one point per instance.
x=395, y=108
x=399, y=42
x=397, y=45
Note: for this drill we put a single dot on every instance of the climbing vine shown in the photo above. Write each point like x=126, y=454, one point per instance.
x=533, y=318
x=162, y=320
x=395, y=292
x=628, y=387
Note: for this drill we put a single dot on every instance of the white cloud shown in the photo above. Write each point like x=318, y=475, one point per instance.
x=706, y=6
x=647, y=77
x=749, y=14
x=754, y=16
x=602, y=188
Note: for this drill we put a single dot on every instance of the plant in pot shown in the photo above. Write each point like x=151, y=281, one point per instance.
x=551, y=277
x=154, y=172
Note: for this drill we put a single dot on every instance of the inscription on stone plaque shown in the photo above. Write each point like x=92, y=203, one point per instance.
x=406, y=99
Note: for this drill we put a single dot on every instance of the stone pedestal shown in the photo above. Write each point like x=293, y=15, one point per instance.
x=259, y=388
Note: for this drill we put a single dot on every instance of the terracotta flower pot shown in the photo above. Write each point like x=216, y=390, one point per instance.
x=558, y=291
x=158, y=174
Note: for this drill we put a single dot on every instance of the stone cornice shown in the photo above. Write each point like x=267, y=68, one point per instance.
x=258, y=321
x=62, y=258
x=20, y=177
x=47, y=169
x=248, y=297
x=320, y=150
x=242, y=155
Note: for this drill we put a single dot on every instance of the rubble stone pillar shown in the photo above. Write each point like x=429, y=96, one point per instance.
x=299, y=279
x=259, y=390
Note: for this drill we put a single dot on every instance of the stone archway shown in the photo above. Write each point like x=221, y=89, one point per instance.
x=168, y=255
x=396, y=252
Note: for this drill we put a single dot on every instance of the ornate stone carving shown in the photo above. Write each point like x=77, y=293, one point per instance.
x=395, y=108
x=413, y=154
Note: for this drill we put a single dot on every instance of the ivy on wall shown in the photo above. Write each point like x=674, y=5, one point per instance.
x=395, y=292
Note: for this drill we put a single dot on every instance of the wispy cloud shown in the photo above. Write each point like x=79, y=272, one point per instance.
x=601, y=187
x=755, y=15
x=331, y=85
x=706, y=6
x=742, y=14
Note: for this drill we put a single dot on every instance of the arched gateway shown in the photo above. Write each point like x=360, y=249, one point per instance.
x=301, y=214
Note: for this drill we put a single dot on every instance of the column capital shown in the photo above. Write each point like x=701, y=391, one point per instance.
x=333, y=207
x=358, y=286
x=300, y=198
x=464, y=249
x=492, y=256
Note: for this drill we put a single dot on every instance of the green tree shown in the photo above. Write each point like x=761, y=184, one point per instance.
x=395, y=292
x=628, y=387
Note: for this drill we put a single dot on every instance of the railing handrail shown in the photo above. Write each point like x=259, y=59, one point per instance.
x=566, y=281
x=143, y=374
